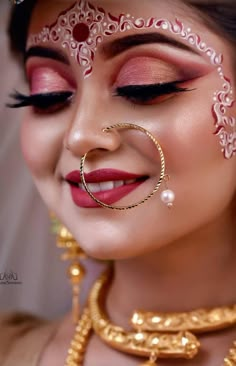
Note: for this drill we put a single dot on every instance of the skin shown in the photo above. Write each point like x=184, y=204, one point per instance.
x=180, y=259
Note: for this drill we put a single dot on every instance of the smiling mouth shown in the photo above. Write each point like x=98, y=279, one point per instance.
x=110, y=185
x=107, y=186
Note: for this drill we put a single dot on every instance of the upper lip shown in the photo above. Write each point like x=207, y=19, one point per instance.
x=101, y=175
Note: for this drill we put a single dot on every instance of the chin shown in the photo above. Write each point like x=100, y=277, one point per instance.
x=106, y=235
x=101, y=249
x=100, y=246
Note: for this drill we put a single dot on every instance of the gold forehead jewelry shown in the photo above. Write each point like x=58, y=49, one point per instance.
x=171, y=338
x=162, y=173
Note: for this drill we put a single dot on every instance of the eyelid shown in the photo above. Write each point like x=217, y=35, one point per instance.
x=188, y=66
x=48, y=75
x=147, y=70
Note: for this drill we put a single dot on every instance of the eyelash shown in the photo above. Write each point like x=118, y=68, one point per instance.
x=52, y=102
x=147, y=93
x=44, y=103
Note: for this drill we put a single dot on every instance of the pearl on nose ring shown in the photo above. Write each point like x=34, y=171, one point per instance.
x=168, y=197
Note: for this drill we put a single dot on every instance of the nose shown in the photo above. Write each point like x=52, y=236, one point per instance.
x=87, y=133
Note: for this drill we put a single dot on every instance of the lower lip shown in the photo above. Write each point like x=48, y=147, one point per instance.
x=82, y=198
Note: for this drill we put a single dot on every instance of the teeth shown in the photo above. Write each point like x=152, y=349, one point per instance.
x=105, y=186
x=118, y=183
x=81, y=186
x=94, y=187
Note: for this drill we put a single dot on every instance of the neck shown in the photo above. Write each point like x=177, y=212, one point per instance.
x=197, y=271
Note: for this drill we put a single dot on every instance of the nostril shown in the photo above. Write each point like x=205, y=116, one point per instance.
x=101, y=149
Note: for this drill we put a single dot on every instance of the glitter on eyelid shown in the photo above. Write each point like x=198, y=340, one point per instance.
x=45, y=79
x=82, y=27
x=147, y=70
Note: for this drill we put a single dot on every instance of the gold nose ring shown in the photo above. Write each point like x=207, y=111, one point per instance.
x=119, y=126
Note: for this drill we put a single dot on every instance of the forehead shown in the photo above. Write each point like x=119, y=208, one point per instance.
x=82, y=26
x=46, y=12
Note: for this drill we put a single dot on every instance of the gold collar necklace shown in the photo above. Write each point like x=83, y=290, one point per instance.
x=154, y=335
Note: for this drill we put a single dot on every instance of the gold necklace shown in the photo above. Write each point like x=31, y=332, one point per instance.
x=148, y=342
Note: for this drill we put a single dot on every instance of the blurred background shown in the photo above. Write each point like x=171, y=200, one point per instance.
x=27, y=245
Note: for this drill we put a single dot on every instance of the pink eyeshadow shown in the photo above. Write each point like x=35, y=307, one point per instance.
x=147, y=70
x=46, y=80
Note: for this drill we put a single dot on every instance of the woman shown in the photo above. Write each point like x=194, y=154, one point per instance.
x=128, y=100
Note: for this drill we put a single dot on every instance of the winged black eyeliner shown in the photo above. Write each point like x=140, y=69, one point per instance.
x=149, y=91
x=142, y=93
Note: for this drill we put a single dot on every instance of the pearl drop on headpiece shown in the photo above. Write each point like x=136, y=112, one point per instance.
x=168, y=197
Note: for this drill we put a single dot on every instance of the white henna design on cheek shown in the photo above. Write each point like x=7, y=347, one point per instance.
x=225, y=125
x=82, y=27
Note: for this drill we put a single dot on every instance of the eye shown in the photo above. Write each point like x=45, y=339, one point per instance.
x=45, y=103
x=149, y=93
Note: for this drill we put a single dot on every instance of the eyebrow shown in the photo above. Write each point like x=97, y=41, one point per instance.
x=120, y=45
x=39, y=51
x=113, y=48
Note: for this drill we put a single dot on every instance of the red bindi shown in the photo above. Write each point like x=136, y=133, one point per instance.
x=81, y=32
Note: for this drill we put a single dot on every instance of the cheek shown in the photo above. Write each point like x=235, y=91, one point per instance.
x=189, y=138
x=201, y=177
x=41, y=143
x=192, y=141
x=194, y=159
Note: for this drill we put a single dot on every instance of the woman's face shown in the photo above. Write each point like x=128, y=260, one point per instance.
x=99, y=80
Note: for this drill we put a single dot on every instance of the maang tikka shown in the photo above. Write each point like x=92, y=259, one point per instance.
x=167, y=196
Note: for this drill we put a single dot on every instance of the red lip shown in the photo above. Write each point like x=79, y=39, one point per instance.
x=109, y=197
x=101, y=175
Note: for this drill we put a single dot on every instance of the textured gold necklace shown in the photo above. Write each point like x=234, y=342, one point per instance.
x=155, y=335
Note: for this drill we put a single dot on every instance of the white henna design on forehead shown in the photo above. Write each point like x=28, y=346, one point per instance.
x=82, y=27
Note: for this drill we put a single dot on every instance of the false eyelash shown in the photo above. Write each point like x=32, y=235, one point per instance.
x=145, y=93
x=40, y=101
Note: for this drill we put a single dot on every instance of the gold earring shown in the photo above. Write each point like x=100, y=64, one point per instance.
x=167, y=196
x=74, y=253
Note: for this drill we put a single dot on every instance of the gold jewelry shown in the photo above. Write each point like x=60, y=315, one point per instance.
x=197, y=321
x=162, y=173
x=79, y=343
x=74, y=253
x=167, y=196
x=81, y=338
x=142, y=343
x=146, y=344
